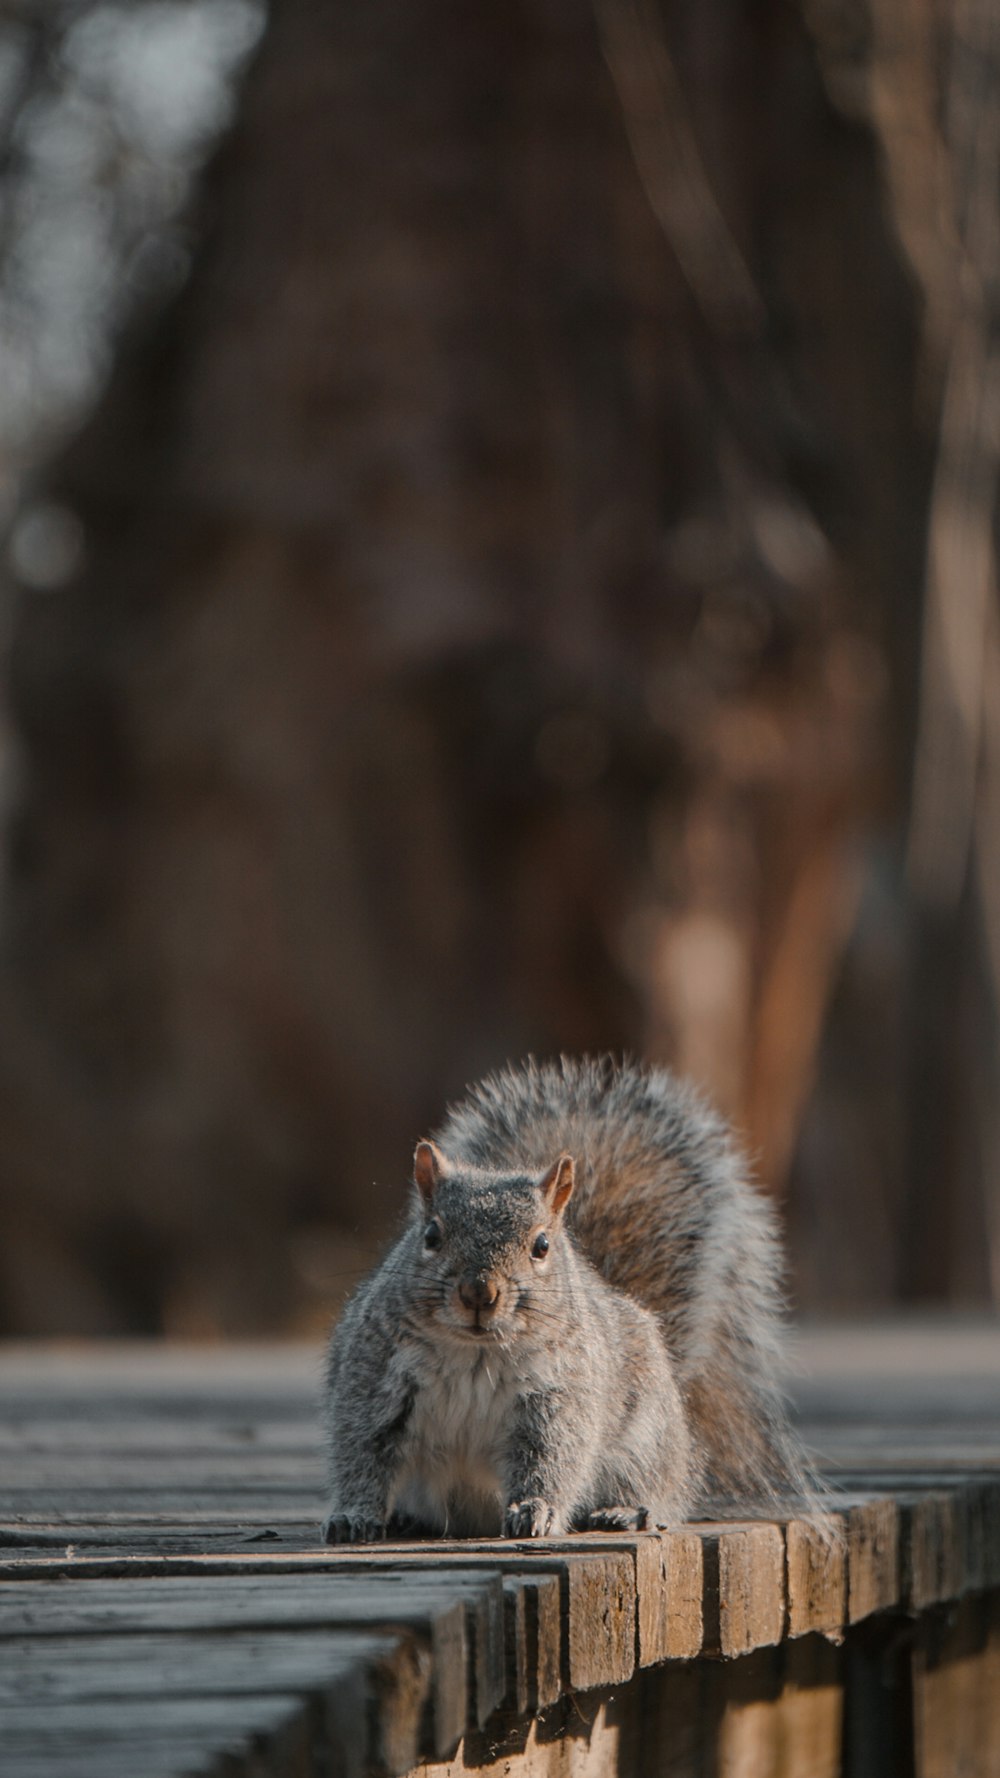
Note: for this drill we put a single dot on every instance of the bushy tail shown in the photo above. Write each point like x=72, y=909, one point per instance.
x=752, y=1458
x=751, y=1455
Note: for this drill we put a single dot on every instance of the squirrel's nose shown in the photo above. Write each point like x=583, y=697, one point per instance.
x=478, y=1293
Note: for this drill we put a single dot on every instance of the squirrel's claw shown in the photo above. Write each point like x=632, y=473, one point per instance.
x=618, y=1518
x=529, y=1518
x=348, y=1528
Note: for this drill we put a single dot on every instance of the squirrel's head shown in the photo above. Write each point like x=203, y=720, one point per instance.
x=489, y=1243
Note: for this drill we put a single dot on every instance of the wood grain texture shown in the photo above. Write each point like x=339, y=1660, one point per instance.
x=159, y=1543
x=600, y=1601
x=436, y=1611
x=933, y=1547
x=816, y=1557
x=517, y=1695
x=956, y=1689
x=873, y=1557
x=775, y=1713
x=331, y=1673
x=543, y=1602
x=744, y=1602
x=670, y=1589
x=157, y=1736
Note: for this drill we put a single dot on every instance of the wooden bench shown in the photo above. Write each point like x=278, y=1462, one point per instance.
x=166, y=1608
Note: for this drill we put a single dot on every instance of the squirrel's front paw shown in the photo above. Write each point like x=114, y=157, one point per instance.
x=353, y=1528
x=533, y=1517
x=618, y=1518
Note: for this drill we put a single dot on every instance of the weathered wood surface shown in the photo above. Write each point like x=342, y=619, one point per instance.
x=956, y=1682
x=160, y=1564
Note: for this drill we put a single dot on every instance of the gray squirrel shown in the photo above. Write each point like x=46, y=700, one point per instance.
x=579, y=1328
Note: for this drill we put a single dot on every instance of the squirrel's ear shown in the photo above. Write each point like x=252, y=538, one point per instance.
x=429, y=1168
x=557, y=1186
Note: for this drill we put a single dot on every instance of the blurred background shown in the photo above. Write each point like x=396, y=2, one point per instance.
x=499, y=555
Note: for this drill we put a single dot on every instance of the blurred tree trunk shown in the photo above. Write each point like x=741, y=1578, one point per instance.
x=921, y=994
x=493, y=563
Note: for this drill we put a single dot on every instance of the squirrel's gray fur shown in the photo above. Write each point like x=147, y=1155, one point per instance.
x=627, y=1375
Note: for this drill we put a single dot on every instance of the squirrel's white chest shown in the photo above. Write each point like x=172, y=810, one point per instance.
x=463, y=1406
x=452, y=1457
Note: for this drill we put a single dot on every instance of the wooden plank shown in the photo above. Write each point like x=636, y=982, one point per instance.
x=743, y=1722
x=167, y=1517
x=956, y=1686
x=873, y=1556
x=816, y=1556
x=669, y=1585
x=516, y=1695
x=71, y=1669
x=775, y=1713
x=597, y=1575
x=983, y=1532
x=38, y=1547
x=403, y=1683
x=949, y=1450
x=138, y=1434
x=933, y=1549
x=486, y=1625
x=241, y=1506
x=34, y=1369
x=543, y=1620
x=811, y=1710
x=504, y=1729
x=593, y=1642
x=668, y=1567
x=669, y=1570
x=594, y=1738
x=80, y=1473
x=195, y=1417
x=679, y=1721
x=600, y=1642
x=427, y=1605
x=173, y=1759
x=878, y=1714
x=884, y=1481
x=609, y=1589
x=215, y=1416
x=371, y=1691
x=92, y=1607
x=744, y=1598
x=487, y=1629
x=598, y=1604
x=880, y=1444
x=204, y=1457
x=952, y=1544
x=168, y=1736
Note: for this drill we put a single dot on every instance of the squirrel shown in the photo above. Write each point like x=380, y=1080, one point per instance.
x=579, y=1328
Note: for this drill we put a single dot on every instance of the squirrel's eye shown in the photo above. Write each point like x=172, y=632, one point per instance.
x=541, y=1247
x=432, y=1236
